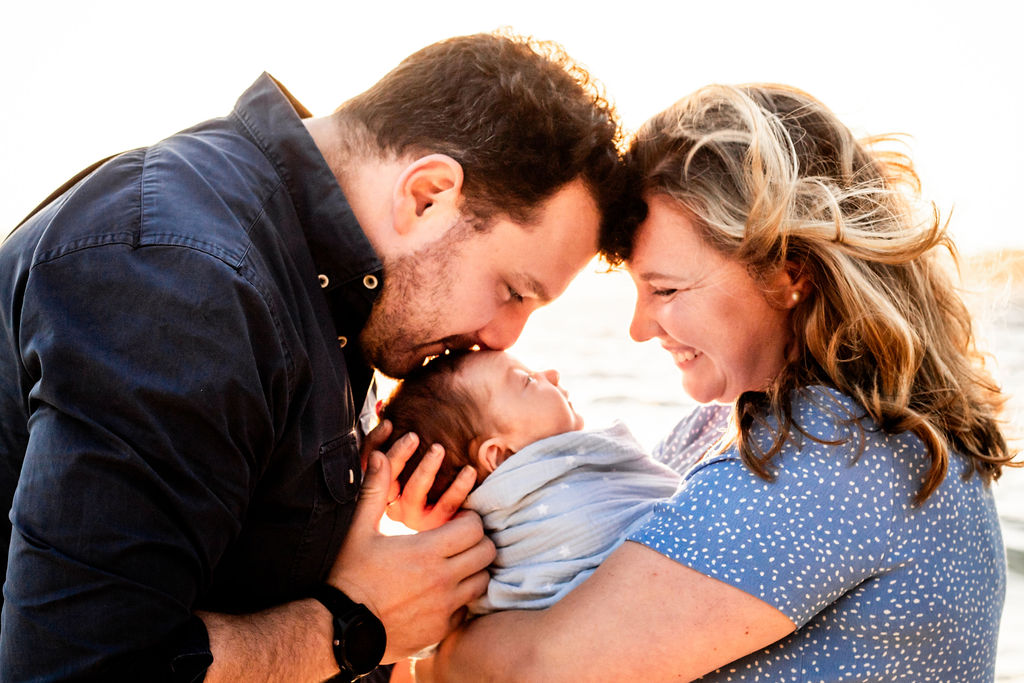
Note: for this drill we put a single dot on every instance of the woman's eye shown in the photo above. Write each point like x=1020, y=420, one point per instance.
x=664, y=292
x=513, y=295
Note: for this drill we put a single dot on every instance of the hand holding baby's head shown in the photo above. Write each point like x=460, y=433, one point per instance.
x=481, y=407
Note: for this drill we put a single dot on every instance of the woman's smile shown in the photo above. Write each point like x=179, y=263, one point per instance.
x=682, y=356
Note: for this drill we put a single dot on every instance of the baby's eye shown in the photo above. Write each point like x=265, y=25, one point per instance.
x=513, y=295
x=530, y=379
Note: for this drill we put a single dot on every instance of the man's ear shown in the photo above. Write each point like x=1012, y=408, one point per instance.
x=490, y=454
x=427, y=197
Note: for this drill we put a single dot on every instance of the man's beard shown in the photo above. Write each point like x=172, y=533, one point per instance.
x=409, y=314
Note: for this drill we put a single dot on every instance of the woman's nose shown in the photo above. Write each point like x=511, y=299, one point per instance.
x=643, y=326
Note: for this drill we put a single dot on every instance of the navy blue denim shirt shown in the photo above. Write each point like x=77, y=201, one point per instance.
x=178, y=402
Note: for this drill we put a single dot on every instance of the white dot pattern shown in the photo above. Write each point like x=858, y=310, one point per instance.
x=880, y=590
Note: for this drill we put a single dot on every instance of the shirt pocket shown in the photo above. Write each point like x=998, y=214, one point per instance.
x=336, y=481
x=341, y=467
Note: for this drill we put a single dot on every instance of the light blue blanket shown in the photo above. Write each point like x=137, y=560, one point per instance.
x=560, y=506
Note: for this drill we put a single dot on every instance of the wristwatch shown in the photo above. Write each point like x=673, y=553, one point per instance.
x=359, y=637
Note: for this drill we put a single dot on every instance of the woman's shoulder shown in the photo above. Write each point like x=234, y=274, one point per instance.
x=831, y=439
x=824, y=421
x=698, y=431
x=819, y=412
x=826, y=412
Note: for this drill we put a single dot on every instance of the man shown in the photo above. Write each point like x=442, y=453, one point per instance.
x=188, y=340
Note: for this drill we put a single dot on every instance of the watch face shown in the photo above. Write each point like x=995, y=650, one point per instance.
x=365, y=640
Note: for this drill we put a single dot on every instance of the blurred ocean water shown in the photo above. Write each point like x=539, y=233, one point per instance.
x=584, y=335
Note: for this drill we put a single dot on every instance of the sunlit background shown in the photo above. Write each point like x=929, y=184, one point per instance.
x=85, y=79
x=82, y=80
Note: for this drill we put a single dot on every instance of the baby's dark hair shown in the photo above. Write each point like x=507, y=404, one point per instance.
x=439, y=410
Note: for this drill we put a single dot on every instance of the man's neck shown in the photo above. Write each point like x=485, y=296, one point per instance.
x=366, y=180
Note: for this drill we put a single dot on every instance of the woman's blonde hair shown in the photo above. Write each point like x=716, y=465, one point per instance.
x=775, y=180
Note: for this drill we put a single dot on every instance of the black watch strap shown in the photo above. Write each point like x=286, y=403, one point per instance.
x=359, y=636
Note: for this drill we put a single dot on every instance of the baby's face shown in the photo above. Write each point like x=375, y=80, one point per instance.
x=528, y=405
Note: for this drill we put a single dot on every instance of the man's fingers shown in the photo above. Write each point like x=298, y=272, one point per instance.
x=451, y=500
x=394, y=491
x=401, y=451
x=373, y=497
x=459, y=535
x=422, y=478
x=374, y=439
x=474, y=559
x=472, y=587
x=378, y=435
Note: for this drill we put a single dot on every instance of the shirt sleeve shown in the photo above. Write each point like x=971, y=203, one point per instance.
x=799, y=542
x=152, y=374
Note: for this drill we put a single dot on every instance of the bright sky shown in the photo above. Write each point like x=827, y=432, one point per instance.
x=85, y=79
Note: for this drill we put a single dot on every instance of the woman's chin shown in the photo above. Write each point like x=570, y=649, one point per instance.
x=704, y=394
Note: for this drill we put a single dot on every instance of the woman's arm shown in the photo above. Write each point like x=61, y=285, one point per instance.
x=641, y=616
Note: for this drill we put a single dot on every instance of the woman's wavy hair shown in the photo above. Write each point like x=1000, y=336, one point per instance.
x=774, y=180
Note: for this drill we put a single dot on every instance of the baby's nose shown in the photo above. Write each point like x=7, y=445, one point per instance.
x=551, y=376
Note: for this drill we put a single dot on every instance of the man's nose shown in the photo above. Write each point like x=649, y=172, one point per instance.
x=504, y=329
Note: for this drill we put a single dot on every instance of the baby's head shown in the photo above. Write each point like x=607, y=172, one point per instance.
x=481, y=407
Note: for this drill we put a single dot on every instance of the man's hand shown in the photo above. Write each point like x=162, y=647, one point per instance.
x=418, y=585
x=409, y=506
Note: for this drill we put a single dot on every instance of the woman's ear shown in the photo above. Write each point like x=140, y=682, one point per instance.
x=490, y=454
x=427, y=197
x=791, y=286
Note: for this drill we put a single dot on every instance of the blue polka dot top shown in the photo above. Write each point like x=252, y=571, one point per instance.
x=880, y=590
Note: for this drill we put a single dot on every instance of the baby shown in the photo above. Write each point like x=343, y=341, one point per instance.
x=555, y=500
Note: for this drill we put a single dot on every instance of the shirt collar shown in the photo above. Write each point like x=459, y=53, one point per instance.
x=340, y=250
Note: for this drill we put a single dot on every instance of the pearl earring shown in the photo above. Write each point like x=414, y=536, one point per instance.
x=795, y=296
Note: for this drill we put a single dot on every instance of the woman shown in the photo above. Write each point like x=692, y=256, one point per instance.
x=844, y=528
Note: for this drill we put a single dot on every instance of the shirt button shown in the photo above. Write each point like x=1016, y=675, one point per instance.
x=370, y=282
x=342, y=341
x=351, y=476
x=324, y=280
